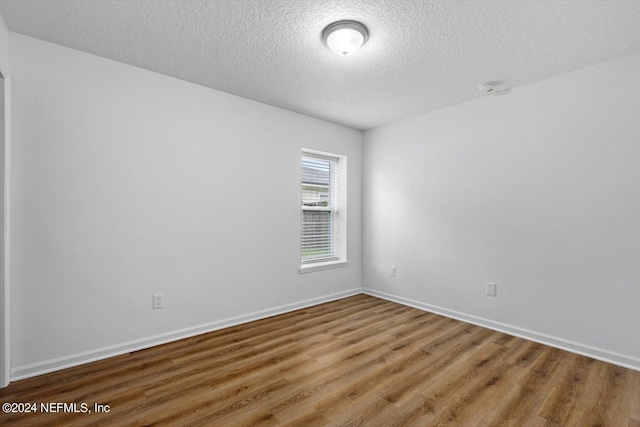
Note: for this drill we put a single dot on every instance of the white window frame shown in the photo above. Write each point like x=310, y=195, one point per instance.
x=338, y=207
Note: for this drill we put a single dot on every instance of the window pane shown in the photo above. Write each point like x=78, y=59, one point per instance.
x=315, y=182
x=317, y=239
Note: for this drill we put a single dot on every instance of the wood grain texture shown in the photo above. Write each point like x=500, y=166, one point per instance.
x=360, y=361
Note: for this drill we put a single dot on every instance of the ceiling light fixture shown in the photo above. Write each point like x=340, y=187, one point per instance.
x=345, y=37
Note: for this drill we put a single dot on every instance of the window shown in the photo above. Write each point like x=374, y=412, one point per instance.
x=323, y=211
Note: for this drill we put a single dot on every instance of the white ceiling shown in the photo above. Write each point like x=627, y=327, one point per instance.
x=421, y=55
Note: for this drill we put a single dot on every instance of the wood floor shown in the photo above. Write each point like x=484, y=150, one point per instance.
x=360, y=361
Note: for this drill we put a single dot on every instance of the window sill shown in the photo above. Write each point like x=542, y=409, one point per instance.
x=318, y=266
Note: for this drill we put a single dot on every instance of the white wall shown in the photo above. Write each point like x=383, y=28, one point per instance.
x=127, y=183
x=538, y=191
x=4, y=149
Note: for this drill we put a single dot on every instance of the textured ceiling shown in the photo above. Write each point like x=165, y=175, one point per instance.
x=421, y=55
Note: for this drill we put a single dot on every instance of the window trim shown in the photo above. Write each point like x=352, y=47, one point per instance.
x=318, y=266
x=337, y=207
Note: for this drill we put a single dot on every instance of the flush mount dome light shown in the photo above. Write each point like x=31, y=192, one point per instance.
x=345, y=37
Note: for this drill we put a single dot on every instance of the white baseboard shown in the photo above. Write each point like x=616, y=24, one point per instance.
x=572, y=346
x=47, y=366
x=32, y=370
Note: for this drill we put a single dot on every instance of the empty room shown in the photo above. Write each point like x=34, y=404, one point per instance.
x=320, y=213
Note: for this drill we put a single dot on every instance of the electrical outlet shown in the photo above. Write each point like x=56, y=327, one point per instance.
x=158, y=301
x=491, y=289
x=392, y=271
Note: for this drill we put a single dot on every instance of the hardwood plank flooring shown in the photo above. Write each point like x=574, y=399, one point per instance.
x=359, y=361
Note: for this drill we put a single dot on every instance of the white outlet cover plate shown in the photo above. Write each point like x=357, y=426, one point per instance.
x=158, y=301
x=491, y=289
